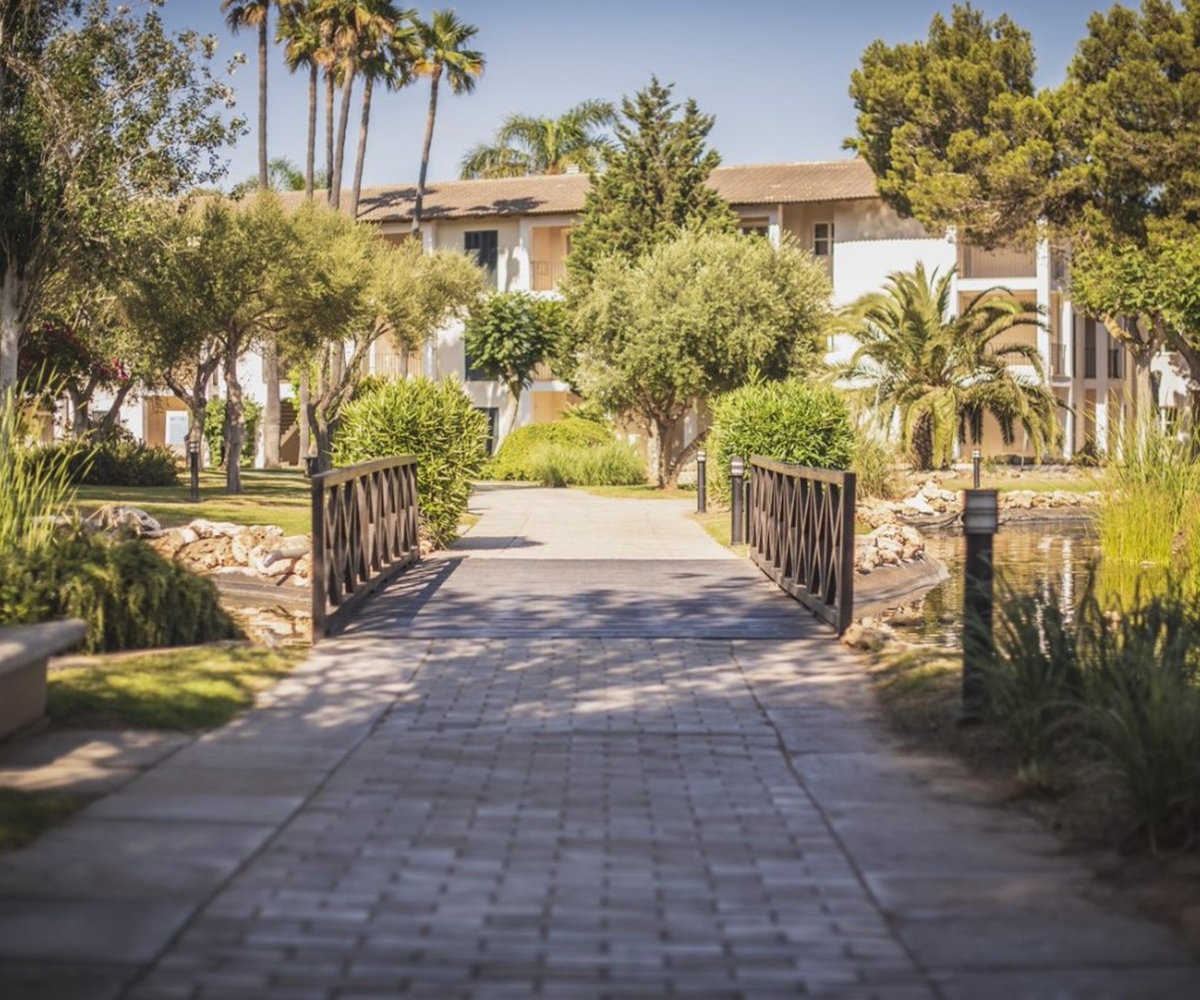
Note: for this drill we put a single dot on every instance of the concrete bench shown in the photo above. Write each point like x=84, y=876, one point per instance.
x=24, y=653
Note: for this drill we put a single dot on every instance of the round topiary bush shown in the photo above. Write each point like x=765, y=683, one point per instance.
x=518, y=457
x=789, y=421
x=436, y=422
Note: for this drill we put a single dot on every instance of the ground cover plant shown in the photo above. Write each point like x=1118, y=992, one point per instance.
x=25, y=815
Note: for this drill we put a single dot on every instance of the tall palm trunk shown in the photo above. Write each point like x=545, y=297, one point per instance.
x=264, y=177
x=922, y=443
x=364, y=122
x=329, y=101
x=310, y=163
x=339, y=150
x=430, y=117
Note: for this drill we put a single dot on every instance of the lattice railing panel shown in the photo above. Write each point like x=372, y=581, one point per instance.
x=801, y=533
x=365, y=530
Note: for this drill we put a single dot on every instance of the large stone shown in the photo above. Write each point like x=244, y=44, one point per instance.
x=208, y=553
x=119, y=518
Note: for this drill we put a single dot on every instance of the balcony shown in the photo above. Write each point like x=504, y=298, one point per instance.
x=997, y=264
x=546, y=274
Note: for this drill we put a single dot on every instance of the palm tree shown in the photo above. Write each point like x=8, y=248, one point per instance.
x=300, y=32
x=442, y=52
x=387, y=56
x=526, y=144
x=944, y=373
x=255, y=14
x=357, y=31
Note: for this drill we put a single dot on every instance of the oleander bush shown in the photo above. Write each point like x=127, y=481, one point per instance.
x=111, y=461
x=436, y=422
x=515, y=458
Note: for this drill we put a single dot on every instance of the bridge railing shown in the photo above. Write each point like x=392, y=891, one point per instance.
x=801, y=534
x=364, y=532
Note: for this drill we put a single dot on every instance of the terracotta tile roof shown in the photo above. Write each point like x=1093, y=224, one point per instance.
x=772, y=183
x=563, y=194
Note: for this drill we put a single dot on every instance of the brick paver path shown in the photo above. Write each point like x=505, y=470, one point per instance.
x=587, y=753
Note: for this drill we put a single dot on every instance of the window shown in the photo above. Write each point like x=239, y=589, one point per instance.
x=1089, y=348
x=822, y=239
x=471, y=373
x=755, y=227
x=483, y=244
x=1116, y=362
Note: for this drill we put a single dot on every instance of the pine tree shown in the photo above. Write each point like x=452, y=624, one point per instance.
x=655, y=184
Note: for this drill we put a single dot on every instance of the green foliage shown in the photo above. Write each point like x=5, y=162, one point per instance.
x=214, y=429
x=944, y=375
x=874, y=464
x=525, y=144
x=953, y=129
x=789, y=421
x=696, y=316
x=1115, y=679
x=24, y=816
x=112, y=461
x=654, y=184
x=32, y=494
x=435, y=422
x=102, y=115
x=514, y=458
x=611, y=464
x=129, y=595
x=509, y=334
x=185, y=689
x=1151, y=496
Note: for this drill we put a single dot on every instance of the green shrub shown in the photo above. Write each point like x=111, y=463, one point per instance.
x=788, y=421
x=129, y=595
x=116, y=461
x=515, y=457
x=612, y=464
x=32, y=493
x=214, y=429
x=873, y=466
x=435, y=422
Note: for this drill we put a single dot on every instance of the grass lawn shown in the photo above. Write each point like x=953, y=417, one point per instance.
x=186, y=689
x=277, y=496
x=26, y=815
x=1084, y=481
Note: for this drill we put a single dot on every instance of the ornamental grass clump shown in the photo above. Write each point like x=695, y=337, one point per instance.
x=33, y=495
x=611, y=464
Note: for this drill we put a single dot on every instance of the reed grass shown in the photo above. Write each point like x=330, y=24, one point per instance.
x=33, y=495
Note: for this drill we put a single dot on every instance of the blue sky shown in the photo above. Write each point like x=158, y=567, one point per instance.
x=775, y=73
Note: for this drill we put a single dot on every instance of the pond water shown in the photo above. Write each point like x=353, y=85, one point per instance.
x=1029, y=556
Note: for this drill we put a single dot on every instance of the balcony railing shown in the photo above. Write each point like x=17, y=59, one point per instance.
x=546, y=274
x=977, y=263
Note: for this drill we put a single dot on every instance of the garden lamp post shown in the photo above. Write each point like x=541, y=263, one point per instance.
x=975, y=459
x=737, y=474
x=193, y=451
x=981, y=518
x=701, y=482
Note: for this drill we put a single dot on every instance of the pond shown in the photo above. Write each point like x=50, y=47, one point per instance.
x=1029, y=556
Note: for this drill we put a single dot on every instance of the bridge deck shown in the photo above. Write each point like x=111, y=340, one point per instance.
x=586, y=753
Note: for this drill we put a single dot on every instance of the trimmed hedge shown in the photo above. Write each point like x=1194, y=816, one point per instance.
x=788, y=421
x=517, y=457
x=437, y=423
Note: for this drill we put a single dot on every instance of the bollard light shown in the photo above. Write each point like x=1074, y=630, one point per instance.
x=701, y=482
x=975, y=459
x=737, y=527
x=981, y=519
x=193, y=450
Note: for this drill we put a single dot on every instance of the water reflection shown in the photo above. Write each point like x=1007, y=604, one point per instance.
x=1031, y=557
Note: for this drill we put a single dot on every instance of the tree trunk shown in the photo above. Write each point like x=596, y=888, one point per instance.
x=80, y=419
x=339, y=149
x=511, y=411
x=271, y=409
x=264, y=177
x=235, y=422
x=661, y=442
x=430, y=117
x=329, y=102
x=364, y=122
x=12, y=291
x=922, y=443
x=111, y=418
x=310, y=160
x=302, y=416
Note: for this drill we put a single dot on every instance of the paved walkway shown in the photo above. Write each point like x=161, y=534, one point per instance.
x=584, y=754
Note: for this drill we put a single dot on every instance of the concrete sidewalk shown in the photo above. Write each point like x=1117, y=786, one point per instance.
x=459, y=799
